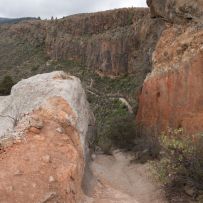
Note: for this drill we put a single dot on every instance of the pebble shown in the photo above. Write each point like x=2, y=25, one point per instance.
x=51, y=179
x=60, y=130
x=36, y=123
x=46, y=159
x=18, y=173
x=38, y=137
x=10, y=189
x=48, y=197
x=93, y=156
x=34, y=185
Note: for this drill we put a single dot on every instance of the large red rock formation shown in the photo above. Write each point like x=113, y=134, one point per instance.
x=172, y=94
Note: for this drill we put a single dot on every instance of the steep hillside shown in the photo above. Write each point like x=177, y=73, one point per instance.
x=172, y=93
x=113, y=42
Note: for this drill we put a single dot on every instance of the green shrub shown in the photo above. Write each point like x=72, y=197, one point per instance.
x=181, y=169
x=110, y=116
x=123, y=132
x=130, y=18
x=6, y=85
x=119, y=131
x=34, y=68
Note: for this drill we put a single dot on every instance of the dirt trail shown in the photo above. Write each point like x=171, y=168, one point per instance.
x=120, y=181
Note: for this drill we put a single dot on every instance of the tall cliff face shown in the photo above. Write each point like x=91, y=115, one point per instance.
x=112, y=42
x=172, y=93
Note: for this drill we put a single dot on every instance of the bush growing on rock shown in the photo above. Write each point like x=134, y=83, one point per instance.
x=181, y=168
x=6, y=85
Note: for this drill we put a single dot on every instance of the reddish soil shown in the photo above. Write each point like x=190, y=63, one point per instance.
x=46, y=165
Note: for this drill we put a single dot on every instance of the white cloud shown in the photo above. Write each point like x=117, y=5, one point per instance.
x=48, y=8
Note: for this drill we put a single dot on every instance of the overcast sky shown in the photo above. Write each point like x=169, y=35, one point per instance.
x=60, y=8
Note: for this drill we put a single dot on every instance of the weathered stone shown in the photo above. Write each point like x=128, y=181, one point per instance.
x=36, y=124
x=22, y=100
x=177, y=10
x=34, y=185
x=172, y=94
x=51, y=100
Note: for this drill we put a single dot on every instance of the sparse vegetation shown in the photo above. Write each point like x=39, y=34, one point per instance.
x=181, y=166
x=103, y=94
x=115, y=124
x=130, y=18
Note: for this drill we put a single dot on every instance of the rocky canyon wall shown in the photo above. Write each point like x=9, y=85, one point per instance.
x=113, y=42
x=172, y=93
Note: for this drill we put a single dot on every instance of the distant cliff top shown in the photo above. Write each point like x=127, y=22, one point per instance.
x=14, y=20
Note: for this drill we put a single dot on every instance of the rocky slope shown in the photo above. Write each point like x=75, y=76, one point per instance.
x=172, y=93
x=43, y=132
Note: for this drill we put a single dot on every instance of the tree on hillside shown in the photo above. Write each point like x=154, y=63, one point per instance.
x=6, y=85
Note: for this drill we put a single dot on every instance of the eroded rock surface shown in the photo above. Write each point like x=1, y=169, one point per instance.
x=172, y=94
x=177, y=10
x=43, y=131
